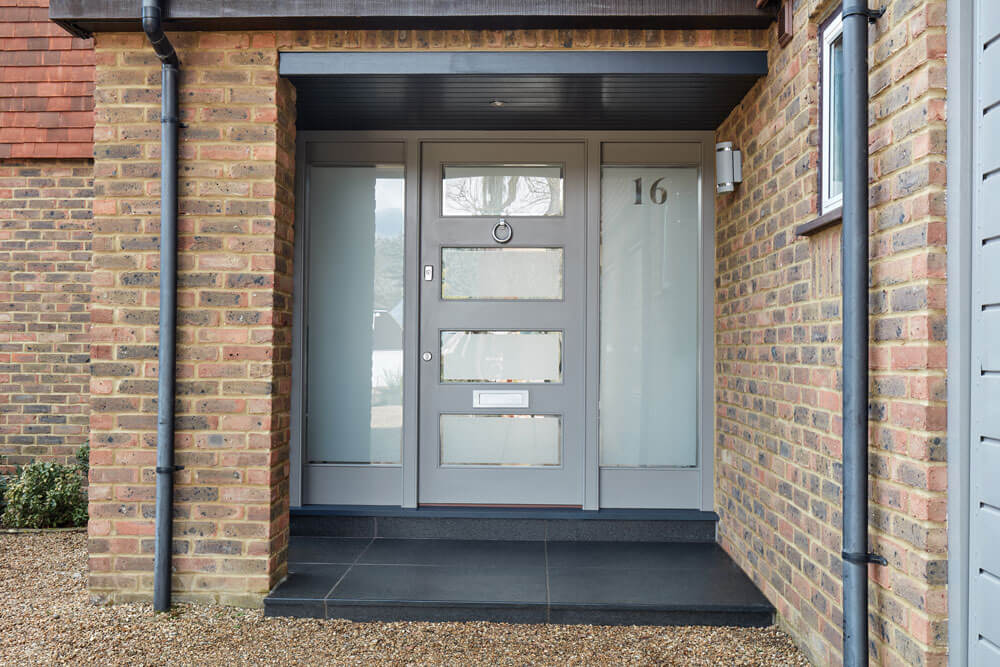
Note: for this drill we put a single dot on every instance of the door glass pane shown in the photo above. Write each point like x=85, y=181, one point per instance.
x=501, y=356
x=501, y=440
x=510, y=190
x=649, y=316
x=355, y=315
x=502, y=273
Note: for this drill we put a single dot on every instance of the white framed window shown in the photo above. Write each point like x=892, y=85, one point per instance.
x=831, y=184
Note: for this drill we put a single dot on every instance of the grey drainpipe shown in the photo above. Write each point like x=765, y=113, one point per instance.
x=854, y=267
x=152, y=26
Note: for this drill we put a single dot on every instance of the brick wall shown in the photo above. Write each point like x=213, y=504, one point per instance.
x=44, y=294
x=778, y=429
x=46, y=85
x=236, y=211
x=233, y=362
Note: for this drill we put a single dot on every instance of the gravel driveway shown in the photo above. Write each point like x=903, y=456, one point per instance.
x=46, y=617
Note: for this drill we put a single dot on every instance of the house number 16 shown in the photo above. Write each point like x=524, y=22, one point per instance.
x=657, y=193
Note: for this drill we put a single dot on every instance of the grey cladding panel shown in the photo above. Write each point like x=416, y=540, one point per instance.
x=991, y=85
x=984, y=409
x=991, y=141
x=990, y=20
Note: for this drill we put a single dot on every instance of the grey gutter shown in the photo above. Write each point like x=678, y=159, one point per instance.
x=165, y=467
x=854, y=268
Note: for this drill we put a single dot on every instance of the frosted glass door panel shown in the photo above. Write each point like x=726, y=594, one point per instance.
x=501, y=440
x=355, y=290
x=501, y=356
x=510, y=190
x=502, y=273
x=649, y=316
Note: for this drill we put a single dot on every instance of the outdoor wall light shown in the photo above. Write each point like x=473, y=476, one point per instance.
x=728, y=167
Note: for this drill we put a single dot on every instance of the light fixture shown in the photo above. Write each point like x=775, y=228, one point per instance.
x=728, y=167
x=497, y=103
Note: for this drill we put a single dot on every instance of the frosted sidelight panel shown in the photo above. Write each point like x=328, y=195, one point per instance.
x=511, y=190
x=501, y=356
x=649, y=316
x=355, y=315
x=501, y=440
x=502, y=273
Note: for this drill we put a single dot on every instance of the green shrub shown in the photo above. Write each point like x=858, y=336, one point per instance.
x=83, y=459
x=45, y=495
x=4, y=481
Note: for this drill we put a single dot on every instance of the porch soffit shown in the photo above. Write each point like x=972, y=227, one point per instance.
x=676, y=90
x=84, y=17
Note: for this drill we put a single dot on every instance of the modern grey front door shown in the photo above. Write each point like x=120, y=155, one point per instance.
x=502, y=317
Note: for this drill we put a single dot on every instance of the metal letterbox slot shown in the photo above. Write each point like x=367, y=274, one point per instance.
x=500, y=399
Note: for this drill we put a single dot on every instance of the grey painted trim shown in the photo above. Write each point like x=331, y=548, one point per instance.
x=592, y=446
x=512, y=63
x=706, y=380
x=411, y=316
x=961, y=36
x=593, y=141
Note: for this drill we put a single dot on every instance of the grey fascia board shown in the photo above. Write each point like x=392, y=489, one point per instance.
x=523, y=64
x=103, y=15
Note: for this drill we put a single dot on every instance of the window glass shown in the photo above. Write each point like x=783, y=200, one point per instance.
x=832, y=85
x=355, y=315
x=650, y=229
x=835, y=184
x=508, y=190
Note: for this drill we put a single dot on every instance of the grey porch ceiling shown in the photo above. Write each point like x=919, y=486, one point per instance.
x=669, y=90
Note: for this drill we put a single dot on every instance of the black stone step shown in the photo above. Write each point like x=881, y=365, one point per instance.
x=516, y=581
x=514, y=524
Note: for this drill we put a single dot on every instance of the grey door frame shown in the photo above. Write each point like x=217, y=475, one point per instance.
x=696, y=484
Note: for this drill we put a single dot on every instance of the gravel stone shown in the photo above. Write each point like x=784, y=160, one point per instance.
x=46, y=617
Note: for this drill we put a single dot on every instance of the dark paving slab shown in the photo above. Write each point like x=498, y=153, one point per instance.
x=638, y=555
x=434, y=583
x=437, y=612
x=308, y=582
x=663, y=589
x=517, y=581
x=456, y=553
x=326, y=549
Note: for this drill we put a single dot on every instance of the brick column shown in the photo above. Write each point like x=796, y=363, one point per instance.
x=234, y=319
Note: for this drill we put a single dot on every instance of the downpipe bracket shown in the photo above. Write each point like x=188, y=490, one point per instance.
x=169, y=470
x=872, y=15
x=863, y=558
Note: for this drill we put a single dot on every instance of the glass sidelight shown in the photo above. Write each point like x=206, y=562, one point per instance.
x=649, y=316
x=354, y=402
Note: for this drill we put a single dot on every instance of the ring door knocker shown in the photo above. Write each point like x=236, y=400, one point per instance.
x=502, y=231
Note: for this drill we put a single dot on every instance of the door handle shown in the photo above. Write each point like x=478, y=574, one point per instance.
x=429, y=272
x=502, y=231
